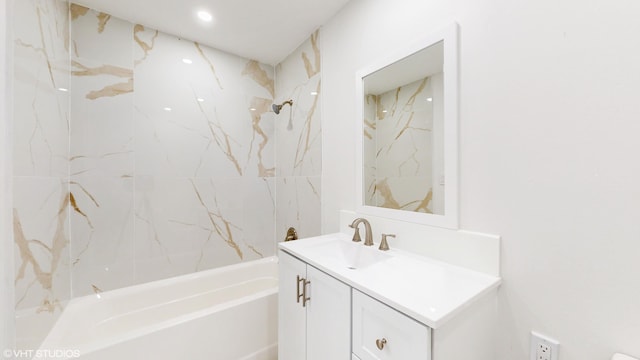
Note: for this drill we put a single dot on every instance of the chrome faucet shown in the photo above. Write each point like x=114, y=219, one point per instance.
x=368, y=239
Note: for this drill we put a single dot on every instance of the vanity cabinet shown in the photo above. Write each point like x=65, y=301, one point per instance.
x=339, y=300
x=314, y=313
x=382, y=333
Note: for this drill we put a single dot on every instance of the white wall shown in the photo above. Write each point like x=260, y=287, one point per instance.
x=6, y=243
x=550, y=137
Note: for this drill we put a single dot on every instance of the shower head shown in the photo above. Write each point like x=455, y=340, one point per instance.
x=276, y=108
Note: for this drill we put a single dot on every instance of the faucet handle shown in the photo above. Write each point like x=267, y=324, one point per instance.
x=384, y=245
x=356, y=234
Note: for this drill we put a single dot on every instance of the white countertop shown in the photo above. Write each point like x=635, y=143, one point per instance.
x=425, y=289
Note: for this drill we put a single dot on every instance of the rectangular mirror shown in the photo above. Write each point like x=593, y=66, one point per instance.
x=407, y=145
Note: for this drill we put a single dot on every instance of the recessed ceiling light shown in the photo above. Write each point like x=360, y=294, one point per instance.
x=187, y=61
x=167, y=109
x=205, y=16
x=429, y=99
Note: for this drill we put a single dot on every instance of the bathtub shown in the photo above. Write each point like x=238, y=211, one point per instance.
x=228, y=313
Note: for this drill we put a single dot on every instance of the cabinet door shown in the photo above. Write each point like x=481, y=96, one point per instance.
x=291, y=314
x=328, y=317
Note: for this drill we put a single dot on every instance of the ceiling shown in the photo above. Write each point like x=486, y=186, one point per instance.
x=263, y=30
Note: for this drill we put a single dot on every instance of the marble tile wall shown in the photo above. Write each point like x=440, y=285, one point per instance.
x=140, y=156
x=40, y=154
x=398, y=147
x=172, y=155
x=298, y=141
x=40, y=164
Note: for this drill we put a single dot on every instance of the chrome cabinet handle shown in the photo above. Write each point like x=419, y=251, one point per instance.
x=380, y=343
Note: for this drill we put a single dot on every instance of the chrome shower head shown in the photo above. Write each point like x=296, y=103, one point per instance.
x=276, y=108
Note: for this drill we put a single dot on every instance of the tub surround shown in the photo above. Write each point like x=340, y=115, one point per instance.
x=159, y=162
x=41, y=198
x=140, y=156
x=298, y=140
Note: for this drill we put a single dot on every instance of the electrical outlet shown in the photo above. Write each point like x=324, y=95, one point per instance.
x=543, y=347
x=543, y=352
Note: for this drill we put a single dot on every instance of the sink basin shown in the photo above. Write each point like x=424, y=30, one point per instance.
x=350, y=255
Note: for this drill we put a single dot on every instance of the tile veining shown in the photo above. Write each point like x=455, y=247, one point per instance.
x=259, y=107
x=208, y=61
x=299, y=146
x=103, y=19
x=134, y=165
x=260, y=76
x=109, y=90
x=312, y=68
x=145, y=40
x=41, y=258
x=398, y=147
x=219, y=224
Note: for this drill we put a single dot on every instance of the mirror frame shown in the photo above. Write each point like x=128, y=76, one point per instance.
x=449, y=220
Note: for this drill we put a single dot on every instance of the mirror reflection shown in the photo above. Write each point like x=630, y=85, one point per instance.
x=403, y=143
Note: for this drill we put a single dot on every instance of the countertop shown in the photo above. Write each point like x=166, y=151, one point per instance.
x=428, y=290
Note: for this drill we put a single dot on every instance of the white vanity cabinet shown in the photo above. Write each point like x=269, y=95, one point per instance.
x=340, y=300
x=314, y=313
x=382, y=333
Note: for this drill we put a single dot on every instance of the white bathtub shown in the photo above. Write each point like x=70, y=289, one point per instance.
x=228, y=313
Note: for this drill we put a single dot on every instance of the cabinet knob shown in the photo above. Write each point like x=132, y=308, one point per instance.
x=380, y=343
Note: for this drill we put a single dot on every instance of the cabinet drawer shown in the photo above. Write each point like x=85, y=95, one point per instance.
x=377, y=325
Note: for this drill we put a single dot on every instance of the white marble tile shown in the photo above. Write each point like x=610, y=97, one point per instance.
x=298, y=205
x=102, y=128
x=153, y=193
x=298, y=128
x=184, y=225
x=100, y=37
x=40, y=225
x=40, y=89
x=408, y=193
x=259, y=217
x=398, y=147
x=369, y=150
x=404, y=131
x=102, y=233
x=195, y=119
